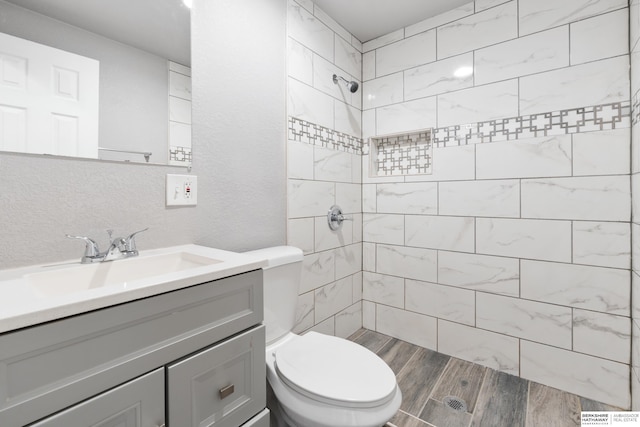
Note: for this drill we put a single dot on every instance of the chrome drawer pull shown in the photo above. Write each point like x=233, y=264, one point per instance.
x=226, y=391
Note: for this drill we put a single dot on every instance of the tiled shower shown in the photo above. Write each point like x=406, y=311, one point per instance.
x=515, y=252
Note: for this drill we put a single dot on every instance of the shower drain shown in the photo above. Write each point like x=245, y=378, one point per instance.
x=455, y=403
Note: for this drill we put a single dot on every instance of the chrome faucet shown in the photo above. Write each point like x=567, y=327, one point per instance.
x=119, y=248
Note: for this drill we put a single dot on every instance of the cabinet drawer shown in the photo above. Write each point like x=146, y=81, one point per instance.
x=138, y=403
x=222, y=386
x=49, y=367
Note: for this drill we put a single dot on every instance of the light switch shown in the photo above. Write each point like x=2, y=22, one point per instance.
x=182, y=190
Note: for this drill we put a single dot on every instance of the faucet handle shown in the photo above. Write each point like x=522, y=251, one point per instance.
x=130, y=241
x=91, y=249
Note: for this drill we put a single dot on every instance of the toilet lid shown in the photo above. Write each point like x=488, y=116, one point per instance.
x=335, y=371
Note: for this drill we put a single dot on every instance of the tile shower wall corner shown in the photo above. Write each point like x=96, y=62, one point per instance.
x=324, y=169
x=516, y=251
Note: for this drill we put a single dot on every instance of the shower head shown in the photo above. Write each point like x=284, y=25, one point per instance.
x=351, y=85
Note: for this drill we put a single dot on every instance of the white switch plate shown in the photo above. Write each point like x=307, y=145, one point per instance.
x=182, y=190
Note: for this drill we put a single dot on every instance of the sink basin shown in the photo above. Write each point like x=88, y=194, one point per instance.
x=41, y=293
x=117, y=273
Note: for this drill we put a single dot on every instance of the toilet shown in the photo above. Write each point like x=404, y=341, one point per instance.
x=317, y=380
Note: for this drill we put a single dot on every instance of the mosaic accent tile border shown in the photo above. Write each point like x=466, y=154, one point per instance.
x=180, y=156
x=576, y=120
x=635, y=109
x=406, y=154
x=311, y=133
x=584, y=119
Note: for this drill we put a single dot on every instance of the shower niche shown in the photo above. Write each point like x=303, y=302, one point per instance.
x=401, y=154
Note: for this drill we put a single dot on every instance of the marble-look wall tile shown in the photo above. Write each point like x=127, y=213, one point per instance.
x=383, y=229
x=348, y=197
x=496, y=351
x=443, y=302
x=310, y=31
x=406, y=116
x=600, y=37
x=327, y=327
x=382, y=91
x=309, y=198
x=635, y=389
x=326, y=238
x=383, y=40
x=299, y=160
x=330, y=165
x=413, y=263
x=332, y=298
x=323, y=72
x=304, y=313
x=369, y=66
x=605, y=244
x=635, y=345
x=593, y=83
x=383, y=289
x=407, y=53
x=357, y=285
x=357, y=227
x=369, y=198
x=451, y=164
x=439, y=77
x=481, y=29
x=588, y=149
x=407, y=198
x=486, y=4
x=369, y=256
x=300, y=233
x=440, y=232
x=635, y=202
x=543, y=51
x=634, y=23
x=369, y=315
x=535, y=157
x=348, y=119
x=545, y=323
x=635, y=253
x=299, y=62
x=493, y=101
x=537, y=15
x=592, y=377
x=479, y=272
x=496, y=198
x=349, y=320
x=441, y=19
x=602, y=335
x=331, y=23
x=600, y=289
x=606, y=198
x=524, y=238
x=348, y=260
x=307, y=103
x=318, y=269
x=415, y=328
x=348, y=58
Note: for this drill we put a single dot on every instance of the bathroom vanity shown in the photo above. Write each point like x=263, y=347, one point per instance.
x=182, y=348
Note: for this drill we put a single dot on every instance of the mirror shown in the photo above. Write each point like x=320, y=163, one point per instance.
x=123, y=91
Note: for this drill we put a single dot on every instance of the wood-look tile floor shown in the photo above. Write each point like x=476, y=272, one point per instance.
x=493, y=399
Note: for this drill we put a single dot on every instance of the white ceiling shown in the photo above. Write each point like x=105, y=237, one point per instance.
x=368, y=19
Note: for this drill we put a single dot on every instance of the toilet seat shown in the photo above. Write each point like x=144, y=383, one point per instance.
x=335, y=371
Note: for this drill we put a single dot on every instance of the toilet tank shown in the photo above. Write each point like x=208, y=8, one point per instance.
x=281, y=284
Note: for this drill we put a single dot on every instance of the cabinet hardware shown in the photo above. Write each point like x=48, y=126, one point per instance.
x=226, y=391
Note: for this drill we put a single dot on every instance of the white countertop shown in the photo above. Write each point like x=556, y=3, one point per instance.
x=22, y=304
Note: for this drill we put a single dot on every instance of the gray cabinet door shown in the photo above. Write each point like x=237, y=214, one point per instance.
x=222, y=386
x=138, y=403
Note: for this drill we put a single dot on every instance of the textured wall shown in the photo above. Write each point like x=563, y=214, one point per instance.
x=515, y=252
x=239, y=149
